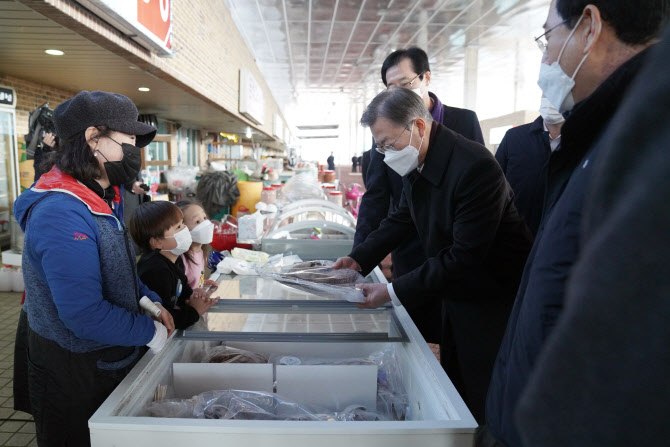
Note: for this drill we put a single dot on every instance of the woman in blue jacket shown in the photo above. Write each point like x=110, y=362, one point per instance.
x=81, y=329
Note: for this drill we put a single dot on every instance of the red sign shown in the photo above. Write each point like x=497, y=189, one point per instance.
x=155, y=16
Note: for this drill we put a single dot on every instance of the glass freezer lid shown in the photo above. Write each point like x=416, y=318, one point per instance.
x=256, y=290
x=299, y=322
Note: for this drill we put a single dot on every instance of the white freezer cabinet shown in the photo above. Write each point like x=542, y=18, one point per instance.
x=295, y=224
x=310, y=344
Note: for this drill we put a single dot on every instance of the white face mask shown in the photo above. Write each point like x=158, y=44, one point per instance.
x=406, y=160
x=555, y=83
x=418, y=90
x=184, y=241
x=549, y=113
x=203, y=233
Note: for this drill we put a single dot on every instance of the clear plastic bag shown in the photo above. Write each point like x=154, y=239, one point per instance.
x=226, y=354
x=319, y=278
x=172, y=408
x=249, y=405
x=300, y=187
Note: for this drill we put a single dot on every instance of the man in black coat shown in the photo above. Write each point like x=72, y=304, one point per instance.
x=614, y=333
x=365, y=164
x=331, y=162
x=523, y=154
x=579, y=32
x=409, y=69
x=475, y=242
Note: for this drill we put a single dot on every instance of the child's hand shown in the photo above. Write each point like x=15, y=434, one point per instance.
x=200, y=301
x=210, y=286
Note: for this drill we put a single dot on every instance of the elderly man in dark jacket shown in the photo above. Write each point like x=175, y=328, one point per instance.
x=609, y=41
x=475, y=242
x=614, y=331
x=409, y=69
x=523, y=154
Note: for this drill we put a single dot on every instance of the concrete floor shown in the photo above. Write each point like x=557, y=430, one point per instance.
x=16, y=428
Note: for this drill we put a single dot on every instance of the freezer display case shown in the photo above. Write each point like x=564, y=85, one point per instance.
x=275, y=366
x=310, y=228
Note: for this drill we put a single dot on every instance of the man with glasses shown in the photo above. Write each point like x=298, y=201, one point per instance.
x=593, y=50
x=458, y=207
x=409, y=69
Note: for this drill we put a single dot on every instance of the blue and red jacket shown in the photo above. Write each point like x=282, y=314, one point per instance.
x=82, y=287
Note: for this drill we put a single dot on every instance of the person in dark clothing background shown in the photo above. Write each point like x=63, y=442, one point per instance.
x=601, y=45
x=331, y=162
x=613, y=333
x=456, y=196
x=365, y=164
x=409, y=69
x=523, y=154
x=354, y=163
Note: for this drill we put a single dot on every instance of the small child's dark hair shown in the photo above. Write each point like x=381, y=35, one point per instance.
x=152, y=219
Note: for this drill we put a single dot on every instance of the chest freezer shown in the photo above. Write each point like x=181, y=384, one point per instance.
x=295, y=226
x=321, y=353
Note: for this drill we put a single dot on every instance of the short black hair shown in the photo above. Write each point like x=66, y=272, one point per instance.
x=153, y=219
x=74, y=157
x=634, y=22
x=417, y=56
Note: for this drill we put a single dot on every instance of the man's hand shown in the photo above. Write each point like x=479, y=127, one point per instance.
x=165, y=318
x=49, y=139
x=347, y=263
x=376, y=295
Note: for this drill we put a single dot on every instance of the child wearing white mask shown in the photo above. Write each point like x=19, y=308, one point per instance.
x=158, y=229
x=202, y=232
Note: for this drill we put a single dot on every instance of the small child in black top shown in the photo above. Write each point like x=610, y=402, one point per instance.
x=158, y=229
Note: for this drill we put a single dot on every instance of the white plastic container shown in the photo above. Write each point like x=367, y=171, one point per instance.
x=5, y=279
x=17, y=280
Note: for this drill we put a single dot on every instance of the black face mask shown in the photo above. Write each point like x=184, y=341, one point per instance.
x=123, y=171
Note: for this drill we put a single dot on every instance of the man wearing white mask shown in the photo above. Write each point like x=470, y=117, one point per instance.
x=456, y=196
x=409, y=69
x=523, y=155
x=592, y=53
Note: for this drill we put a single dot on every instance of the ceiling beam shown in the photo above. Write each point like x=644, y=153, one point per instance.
x=330, y=35
x=373, y=65
x=309, y=41
x=267, y=34
x=367, y=44
x=351, y=35
x=290, y=50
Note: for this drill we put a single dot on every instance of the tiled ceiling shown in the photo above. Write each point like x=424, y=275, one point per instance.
x=339, y=45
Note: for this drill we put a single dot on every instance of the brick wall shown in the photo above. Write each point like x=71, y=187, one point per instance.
x=26, y=94
x=208, y=51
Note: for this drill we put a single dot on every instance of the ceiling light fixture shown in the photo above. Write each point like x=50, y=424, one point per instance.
x=144, y=89
x=54, y=52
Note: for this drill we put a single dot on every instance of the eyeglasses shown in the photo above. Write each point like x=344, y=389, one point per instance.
x=542, y=44
x=407, y=84
x=390, y=147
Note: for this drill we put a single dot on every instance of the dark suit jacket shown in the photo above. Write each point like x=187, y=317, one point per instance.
x=365, y=163
x=607, y=360
x=382, y=196
x=475, y=243
x=523, y=154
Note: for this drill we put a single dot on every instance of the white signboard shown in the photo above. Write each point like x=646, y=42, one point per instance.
x=252, y=100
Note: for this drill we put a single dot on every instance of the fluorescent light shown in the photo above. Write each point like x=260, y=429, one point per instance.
x=54, y=52
x=144, y=89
